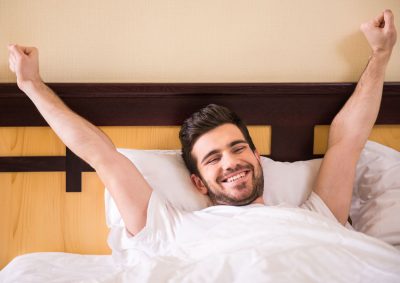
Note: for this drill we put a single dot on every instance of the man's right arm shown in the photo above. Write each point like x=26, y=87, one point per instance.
x=129, y=189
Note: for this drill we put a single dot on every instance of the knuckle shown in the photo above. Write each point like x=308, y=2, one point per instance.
x=364, y=26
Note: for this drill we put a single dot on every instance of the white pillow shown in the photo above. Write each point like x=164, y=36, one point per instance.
x=375, y=206
x=288, y=182
x=375, y=186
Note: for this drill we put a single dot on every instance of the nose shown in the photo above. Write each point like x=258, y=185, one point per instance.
x=228, y=162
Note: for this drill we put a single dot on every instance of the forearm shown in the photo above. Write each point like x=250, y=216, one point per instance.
x=355, y=120
x=83, y=138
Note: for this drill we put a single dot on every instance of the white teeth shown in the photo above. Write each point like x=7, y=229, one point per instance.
x=234, y=178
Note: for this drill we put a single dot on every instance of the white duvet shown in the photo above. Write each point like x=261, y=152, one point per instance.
x=243, y=244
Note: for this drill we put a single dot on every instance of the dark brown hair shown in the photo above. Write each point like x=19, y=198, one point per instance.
x=203, y=121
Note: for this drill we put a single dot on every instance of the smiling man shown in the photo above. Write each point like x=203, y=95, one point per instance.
x=216, y=146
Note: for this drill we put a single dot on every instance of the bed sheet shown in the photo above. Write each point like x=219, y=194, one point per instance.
x=262, y=244
x=58, y=267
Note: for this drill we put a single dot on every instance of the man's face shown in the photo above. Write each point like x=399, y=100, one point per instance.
x=230, y=172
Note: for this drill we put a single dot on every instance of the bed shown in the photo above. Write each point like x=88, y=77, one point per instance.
x=290, y=118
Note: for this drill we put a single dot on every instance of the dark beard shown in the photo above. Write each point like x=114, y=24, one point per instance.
x=258, y=190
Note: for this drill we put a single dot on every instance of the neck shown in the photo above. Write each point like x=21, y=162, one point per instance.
x=259, y=200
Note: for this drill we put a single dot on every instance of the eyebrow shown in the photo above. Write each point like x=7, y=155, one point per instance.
x=232, y=144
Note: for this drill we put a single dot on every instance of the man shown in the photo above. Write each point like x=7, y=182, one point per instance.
x=221, y=157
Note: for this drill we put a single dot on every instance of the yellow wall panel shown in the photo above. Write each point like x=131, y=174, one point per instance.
x=36, y=214
x=85, y=226
x=167, y=137
x=30, y=141
x=261, y=136
x=388, y=135
x=31, y=213
x=144, y=137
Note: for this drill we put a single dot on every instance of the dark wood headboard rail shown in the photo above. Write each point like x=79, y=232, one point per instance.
x=292, y=109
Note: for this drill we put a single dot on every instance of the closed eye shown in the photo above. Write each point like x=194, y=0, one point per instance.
x=239, y=149
x=213, y=160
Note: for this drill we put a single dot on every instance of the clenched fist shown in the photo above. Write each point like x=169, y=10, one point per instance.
x=24, y=62
x=381, y=32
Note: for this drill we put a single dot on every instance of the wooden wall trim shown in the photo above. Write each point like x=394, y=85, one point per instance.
x=181, y=89
x=137, y=104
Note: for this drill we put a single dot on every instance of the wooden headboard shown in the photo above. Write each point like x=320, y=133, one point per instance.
x=292, y=110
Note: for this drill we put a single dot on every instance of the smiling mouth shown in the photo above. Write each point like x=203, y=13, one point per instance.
x=235, y=177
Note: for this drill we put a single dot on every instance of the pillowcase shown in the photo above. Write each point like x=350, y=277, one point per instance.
x=376, y=193
x=288, y=182
x=375, y=206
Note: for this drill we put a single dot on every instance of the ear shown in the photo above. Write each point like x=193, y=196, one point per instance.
x=198, y=184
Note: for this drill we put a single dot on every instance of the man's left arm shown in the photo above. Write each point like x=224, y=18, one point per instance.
x=352, y=126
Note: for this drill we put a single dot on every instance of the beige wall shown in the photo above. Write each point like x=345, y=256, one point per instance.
x=194, y=41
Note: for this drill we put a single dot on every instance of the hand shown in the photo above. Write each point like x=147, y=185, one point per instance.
x=381, y=33
x=24, y=62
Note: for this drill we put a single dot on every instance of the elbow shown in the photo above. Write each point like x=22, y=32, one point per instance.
x=345, y=134
x=337, y=131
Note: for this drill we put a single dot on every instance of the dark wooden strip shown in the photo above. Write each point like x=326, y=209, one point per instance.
x=32, y=164
x=73, y=172
x=291, y=142
x=267, y=109
x=178, y=89
x=318, y=156
x=170, y=104
x=86, y=167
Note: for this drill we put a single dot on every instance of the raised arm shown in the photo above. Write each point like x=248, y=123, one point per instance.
x=127, y=186
x=352, y=126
